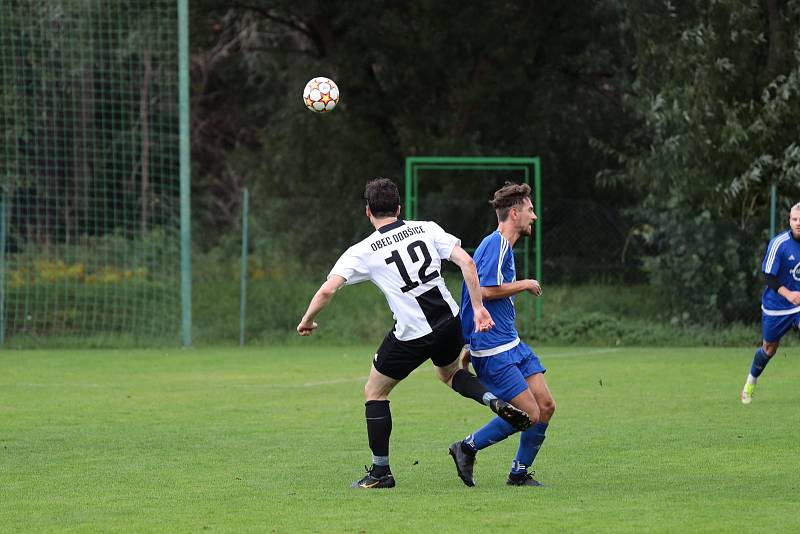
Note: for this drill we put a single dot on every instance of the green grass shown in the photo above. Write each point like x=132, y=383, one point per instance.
x=268, y=440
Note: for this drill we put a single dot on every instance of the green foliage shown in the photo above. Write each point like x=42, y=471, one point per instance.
x=711, y=266
x=81, y=81
x=639, y=315
x=416, y=78
x=719, y=103
x=692, y=108
x=97, y=313
x=106, y=288
x=279, y=291
x=89, y=171
x=597, y=329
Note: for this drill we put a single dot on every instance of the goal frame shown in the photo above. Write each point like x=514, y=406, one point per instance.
x=531, y=169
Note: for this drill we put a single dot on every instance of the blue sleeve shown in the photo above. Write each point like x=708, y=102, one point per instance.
x=772, y=260
x=490, y=261
x=509, y=270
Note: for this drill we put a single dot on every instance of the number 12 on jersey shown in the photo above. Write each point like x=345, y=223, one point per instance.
x=421, y=274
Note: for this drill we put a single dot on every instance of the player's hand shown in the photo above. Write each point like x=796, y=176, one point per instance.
x=306, y=328
x=535, y=288
x=483, y=321
x=794, y=297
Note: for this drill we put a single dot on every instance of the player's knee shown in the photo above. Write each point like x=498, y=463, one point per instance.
x=445, y=377
x=547, y=409
x=770, y=349
x=372, y=393
x=446, y=374
x=534, y=414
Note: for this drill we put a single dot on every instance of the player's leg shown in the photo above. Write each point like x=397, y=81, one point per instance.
x=446, y=350
x=445, y=353
x=544, y=398
x=506, y=381
x=760, y=360
x=773, y=329
x=379, y=429
x=530, y=441
x=468, y=385
x=393, y=361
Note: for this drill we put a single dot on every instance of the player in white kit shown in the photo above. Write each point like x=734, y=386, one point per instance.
x=403, y=258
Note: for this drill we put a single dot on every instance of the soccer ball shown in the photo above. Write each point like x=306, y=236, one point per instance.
x=321, y=94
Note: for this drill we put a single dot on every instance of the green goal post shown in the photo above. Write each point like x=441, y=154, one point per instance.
x=531, y=170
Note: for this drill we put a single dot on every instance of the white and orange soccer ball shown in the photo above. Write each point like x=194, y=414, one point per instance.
x=321, y=94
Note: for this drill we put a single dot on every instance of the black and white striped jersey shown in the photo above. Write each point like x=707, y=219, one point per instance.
x=404, y=260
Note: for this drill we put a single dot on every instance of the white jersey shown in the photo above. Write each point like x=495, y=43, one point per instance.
x=404, y=260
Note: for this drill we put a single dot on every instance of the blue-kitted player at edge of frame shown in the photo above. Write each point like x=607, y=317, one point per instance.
x=780, y=301
x=502, y=362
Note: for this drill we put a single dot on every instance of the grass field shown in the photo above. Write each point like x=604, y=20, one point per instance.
x=269, y=440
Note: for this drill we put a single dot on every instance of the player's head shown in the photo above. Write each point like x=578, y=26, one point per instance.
x=383, y=198
x=794, y=220
x=513, y=206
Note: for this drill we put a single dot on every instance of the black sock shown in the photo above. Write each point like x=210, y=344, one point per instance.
x=468, y=385
x=379, y=427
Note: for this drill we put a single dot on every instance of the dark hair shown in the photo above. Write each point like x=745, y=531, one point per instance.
x=382, y=197
x=507, y=197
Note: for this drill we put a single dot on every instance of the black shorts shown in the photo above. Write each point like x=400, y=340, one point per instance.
x=396, y=359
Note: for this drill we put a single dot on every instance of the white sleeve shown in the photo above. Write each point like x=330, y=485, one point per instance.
x=444, y=242
x=351, y=267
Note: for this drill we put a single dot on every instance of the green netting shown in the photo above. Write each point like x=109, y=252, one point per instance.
x=89, y=170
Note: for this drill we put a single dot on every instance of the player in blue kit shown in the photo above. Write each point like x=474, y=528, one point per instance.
x=780, y=302
x=503, y=363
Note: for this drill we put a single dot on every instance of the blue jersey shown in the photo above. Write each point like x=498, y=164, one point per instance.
x=494, y=260
x=782, y=260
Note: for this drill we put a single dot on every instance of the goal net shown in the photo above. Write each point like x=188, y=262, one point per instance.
x=89, y=171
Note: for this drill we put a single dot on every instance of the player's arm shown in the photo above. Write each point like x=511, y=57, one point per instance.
x=318, y=302
x=483, y=320
x=773, y=282
x=512, y=288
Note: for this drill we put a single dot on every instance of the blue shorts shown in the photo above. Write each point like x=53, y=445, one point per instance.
x=774, y=327
x=504, y=374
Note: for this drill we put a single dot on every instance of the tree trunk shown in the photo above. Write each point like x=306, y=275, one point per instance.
x=144, y=112
x=777, y=60
x=82, y=140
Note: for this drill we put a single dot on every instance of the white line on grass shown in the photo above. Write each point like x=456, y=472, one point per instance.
x=335, y=381
x=427, y=365
x=582, y=353
x=318, y=383
x=56, y=385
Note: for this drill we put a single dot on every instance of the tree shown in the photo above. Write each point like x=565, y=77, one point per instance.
x=89, y=112
x=718, y=89
x=417, y=77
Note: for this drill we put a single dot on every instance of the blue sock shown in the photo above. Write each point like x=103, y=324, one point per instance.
x=529, y=443
x=759, y=362
x=494, y=431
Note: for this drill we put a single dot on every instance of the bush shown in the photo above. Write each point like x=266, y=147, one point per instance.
x=708, y=269
x=600, y=329
x=593, y=314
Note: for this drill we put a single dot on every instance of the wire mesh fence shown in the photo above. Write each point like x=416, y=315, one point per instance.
x=89, y=169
